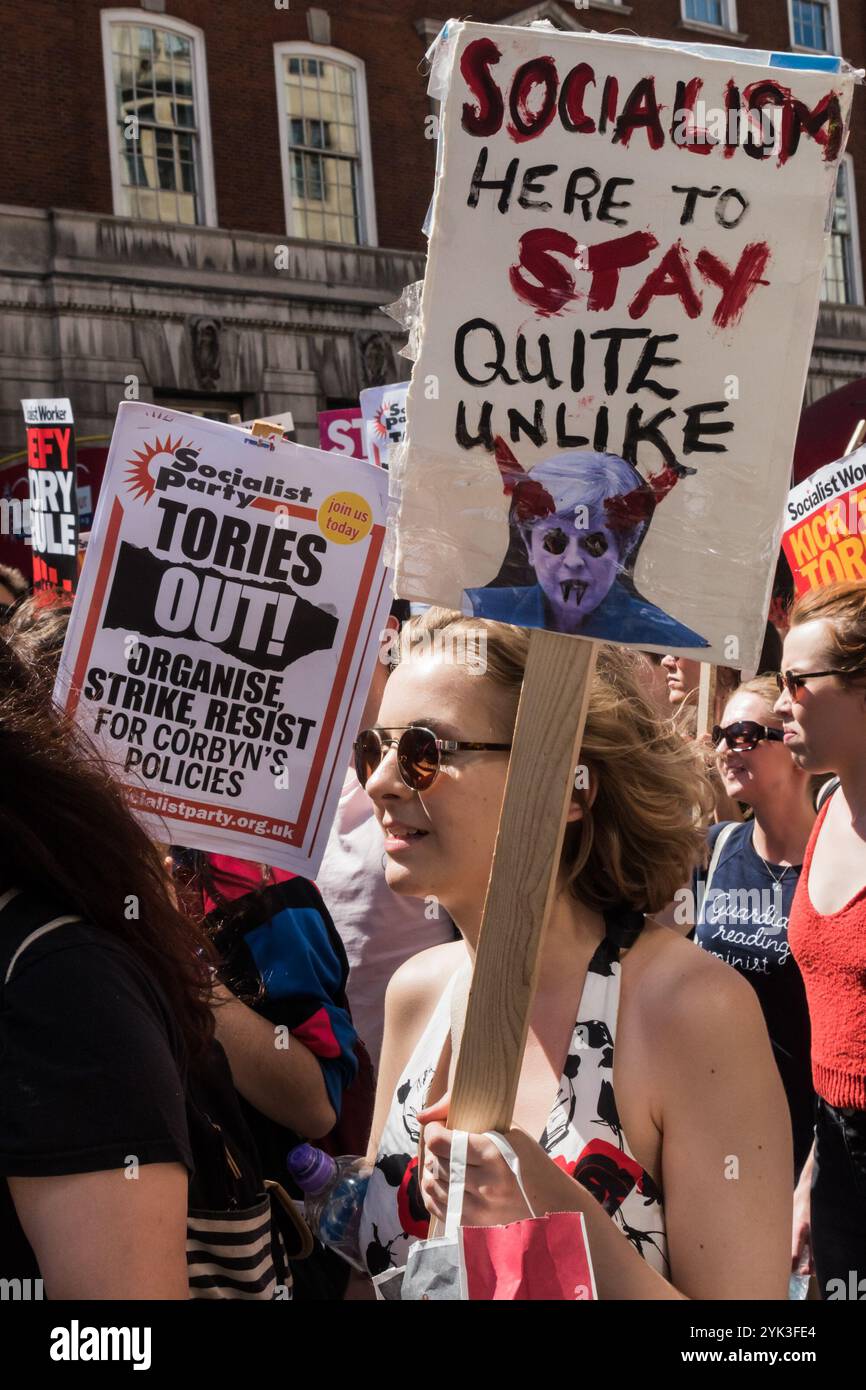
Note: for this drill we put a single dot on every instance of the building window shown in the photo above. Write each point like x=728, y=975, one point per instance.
x=325, y=143
x=158, y=119
x=842, y=272
x=721, y=14
x=815, y=25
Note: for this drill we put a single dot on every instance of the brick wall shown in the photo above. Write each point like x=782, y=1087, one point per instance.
x=54, y=140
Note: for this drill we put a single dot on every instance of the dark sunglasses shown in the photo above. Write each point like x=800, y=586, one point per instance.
x=792, y=681
x=744, y=734
x=419, y=754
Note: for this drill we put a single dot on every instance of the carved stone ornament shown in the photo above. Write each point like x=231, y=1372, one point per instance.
x=377, y=359
x=204, y=334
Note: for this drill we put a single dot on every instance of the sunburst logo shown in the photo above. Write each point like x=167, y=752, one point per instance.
x=139, y=479
x=379, y=420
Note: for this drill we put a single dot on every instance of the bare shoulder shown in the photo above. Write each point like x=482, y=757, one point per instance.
x=686, y=996
x=417, y=984
x=410, y=1000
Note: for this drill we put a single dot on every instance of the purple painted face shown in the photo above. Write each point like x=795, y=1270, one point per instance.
x=575, y=566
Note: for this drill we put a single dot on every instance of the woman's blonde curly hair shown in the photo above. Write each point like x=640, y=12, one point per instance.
x=645, y=831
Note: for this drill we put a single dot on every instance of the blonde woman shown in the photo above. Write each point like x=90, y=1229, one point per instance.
x=744, y=898
x=648, y=1072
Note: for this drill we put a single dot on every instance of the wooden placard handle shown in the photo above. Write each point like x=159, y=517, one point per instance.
x=706, y=699
x=856, y=439
x=541, y=778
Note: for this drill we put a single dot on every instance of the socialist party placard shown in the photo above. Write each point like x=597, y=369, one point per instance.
x=53, y=496
x=384, y=413
x=626, y=251
x=225, y=631
x=825, y=525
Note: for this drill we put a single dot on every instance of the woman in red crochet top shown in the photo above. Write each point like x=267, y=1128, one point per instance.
x=823, y=708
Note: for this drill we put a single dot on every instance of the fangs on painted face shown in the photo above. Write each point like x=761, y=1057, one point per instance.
x=573, y=586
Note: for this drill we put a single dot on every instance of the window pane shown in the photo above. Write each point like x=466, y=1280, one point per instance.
x=839, y=286
x=183, y=80
x=321, y=111
x=811, y=23
x=165, y=170
x=146, y=205
x=155, y=84
x=708, y=12
x=346, y=199
x=345, y=139
x=315, y=170
x=132, y=162
x=121, y=39
x=187, y=177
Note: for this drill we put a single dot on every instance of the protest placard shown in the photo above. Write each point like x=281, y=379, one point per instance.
x=53, y=495
x=384, y=411
x=624, y=274
x=825, y=521
x=626, y=246
x=342, y=431
x=225, y=631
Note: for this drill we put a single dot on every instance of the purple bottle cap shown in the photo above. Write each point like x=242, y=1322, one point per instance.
x=311, y=1169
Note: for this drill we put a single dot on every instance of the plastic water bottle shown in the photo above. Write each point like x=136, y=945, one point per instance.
x=334, y=1190
x=798, y=1286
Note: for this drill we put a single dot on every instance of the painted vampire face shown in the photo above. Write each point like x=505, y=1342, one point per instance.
x=575, y=566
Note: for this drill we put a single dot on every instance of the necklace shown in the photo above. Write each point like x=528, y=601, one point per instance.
x=776, y=880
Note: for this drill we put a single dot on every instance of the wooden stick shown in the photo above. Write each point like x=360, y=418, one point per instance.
x=856, y=439
x=541, y=778
x=706, y=699
x=263, y=428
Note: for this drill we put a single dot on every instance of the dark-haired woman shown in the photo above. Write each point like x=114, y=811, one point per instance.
x=127, y=1170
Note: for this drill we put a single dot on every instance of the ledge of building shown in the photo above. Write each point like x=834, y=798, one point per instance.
x=841, y=327
x=43, y=242
x=696, y=26
x=610, y=7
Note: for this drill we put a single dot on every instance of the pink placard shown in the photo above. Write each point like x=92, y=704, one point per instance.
x=342, y=431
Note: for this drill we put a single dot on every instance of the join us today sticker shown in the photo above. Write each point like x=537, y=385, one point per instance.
x=345, y=518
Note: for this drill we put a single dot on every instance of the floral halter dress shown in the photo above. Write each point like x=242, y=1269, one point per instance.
x=583, y=1133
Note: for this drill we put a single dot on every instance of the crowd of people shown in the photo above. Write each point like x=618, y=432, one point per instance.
x=173, y=1023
